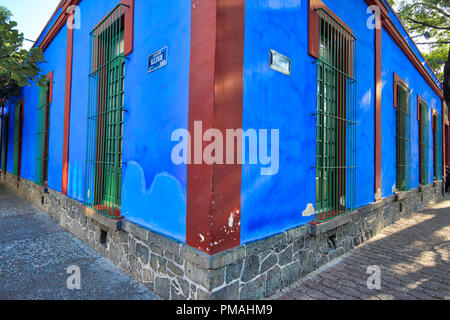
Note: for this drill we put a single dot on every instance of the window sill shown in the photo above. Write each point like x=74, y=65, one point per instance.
x=319, y=228
x=400, y=195
x=104, y=222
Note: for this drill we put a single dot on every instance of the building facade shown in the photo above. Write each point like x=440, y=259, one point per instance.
x=337, y=128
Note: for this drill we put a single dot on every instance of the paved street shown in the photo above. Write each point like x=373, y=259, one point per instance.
x=412, y=255
x=35, y=253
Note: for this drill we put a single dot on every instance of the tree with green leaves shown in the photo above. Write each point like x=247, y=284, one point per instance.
x=18, y=67
x=428, y=22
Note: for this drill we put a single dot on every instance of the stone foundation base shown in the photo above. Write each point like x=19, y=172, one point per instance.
x=252, y=271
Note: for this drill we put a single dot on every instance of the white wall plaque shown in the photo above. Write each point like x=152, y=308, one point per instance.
x=280, y=63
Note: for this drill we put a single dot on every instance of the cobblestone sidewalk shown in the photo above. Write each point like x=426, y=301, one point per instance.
x=412, y=255
x=35, y=253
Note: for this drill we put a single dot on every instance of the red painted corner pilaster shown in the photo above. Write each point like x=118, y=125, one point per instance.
x=67, y=102
x=201, y=108
x=215, y=99
x=378, y=135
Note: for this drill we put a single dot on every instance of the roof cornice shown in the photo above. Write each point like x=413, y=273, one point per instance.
x=58, y=24
x=395, y=34
x=388, y=24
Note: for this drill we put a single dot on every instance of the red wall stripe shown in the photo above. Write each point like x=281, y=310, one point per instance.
x=216, y=99
x=378, y=135
x=67, y=102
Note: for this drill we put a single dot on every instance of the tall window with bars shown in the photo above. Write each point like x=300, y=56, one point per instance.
x=437, y=146
x=403, y=126
x=18, y=127
x=42, y=134
x=336, y=119
x=424, y=141
x=105, y=115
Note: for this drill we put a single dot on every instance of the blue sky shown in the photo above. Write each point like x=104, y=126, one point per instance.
x=30, y=15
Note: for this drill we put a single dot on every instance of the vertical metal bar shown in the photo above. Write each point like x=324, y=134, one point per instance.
x=328, y=120
x=107, y=172
x=340, y=143
x=354, y=119
x=320, y=102
x=46, y=135
x=103, y=131
x=98, y=110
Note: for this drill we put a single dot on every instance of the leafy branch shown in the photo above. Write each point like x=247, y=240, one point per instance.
x=18, y=67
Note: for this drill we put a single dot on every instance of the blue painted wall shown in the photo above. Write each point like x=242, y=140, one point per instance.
x=30, y=95
x=271, y=204
x=395, y=61
x=272, y=100
x=153, y=188
x=56, y=58
x=56, y=62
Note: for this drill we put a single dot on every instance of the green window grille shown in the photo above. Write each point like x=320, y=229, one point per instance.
x=424, y=143
x=336, y=120
x=18, y=138
x=4, y=141
x=105, y=115
x=437, y=146
x=42, y=134
x=403, y=137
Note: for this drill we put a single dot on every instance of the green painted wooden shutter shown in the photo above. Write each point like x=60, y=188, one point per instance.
x=424, y=143
x=437, y=140
x=41, y=145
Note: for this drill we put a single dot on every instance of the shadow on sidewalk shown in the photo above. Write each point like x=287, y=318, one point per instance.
x=412, y=254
